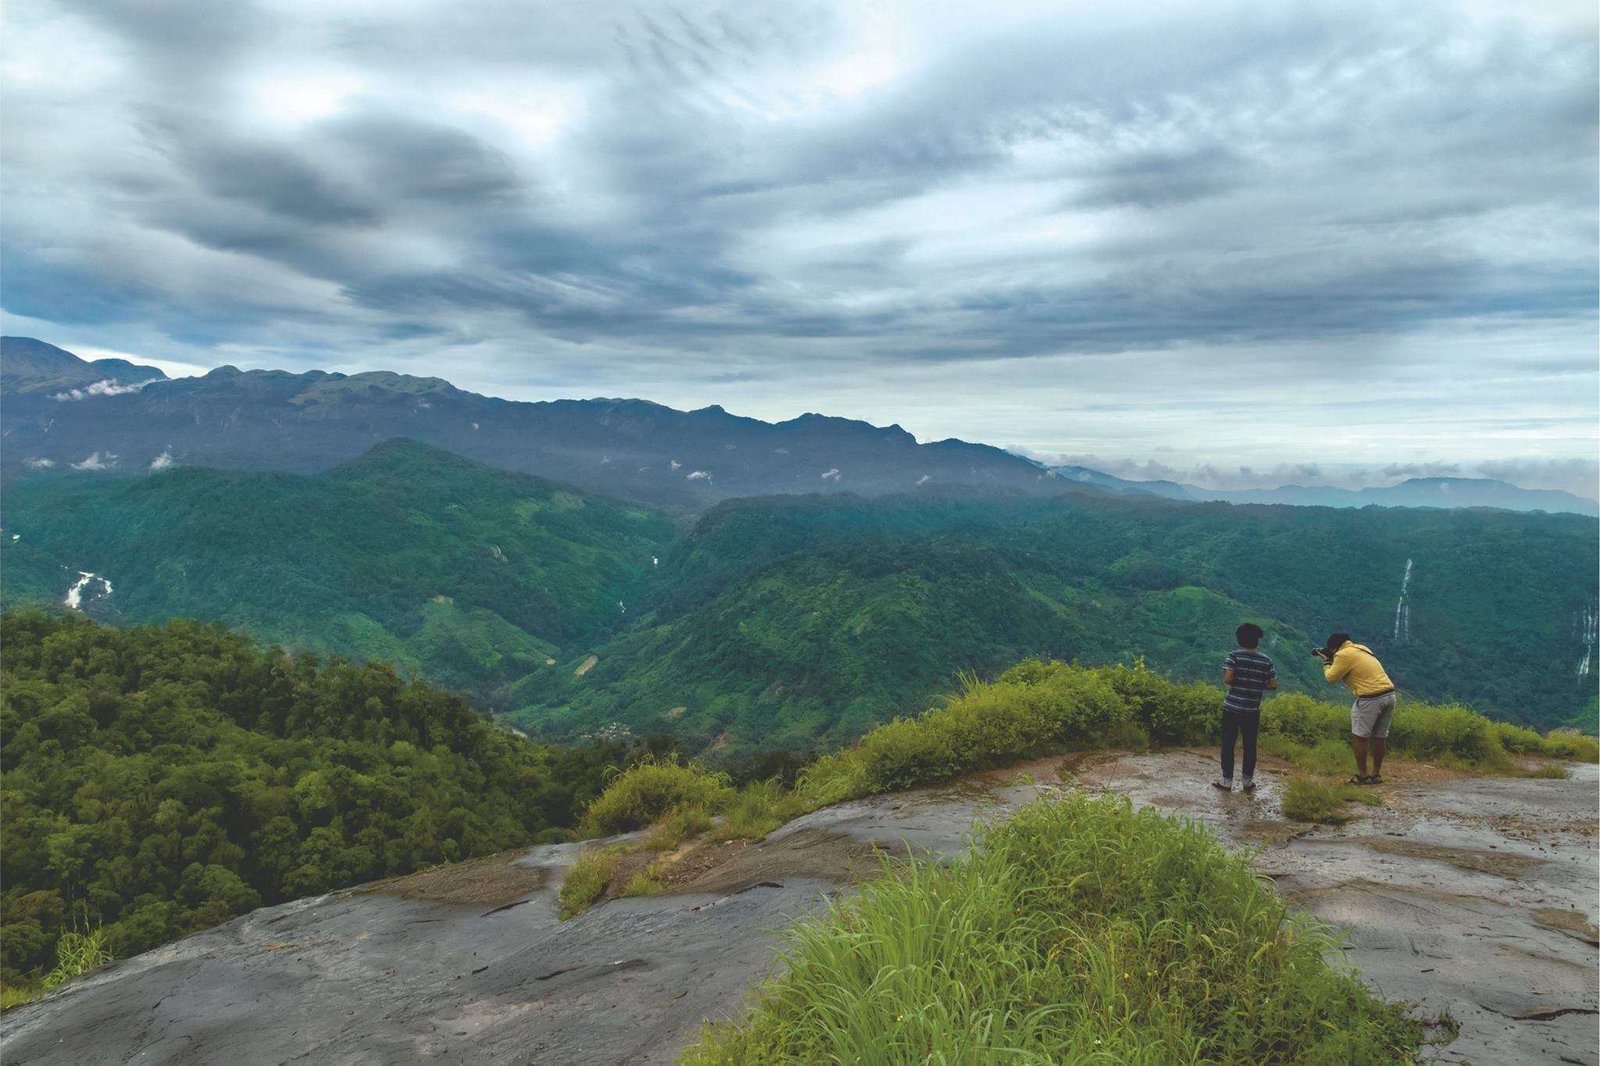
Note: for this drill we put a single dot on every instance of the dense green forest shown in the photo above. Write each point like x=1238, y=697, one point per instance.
x=805, y=620
x=473, y=577
x=800, y=622
x=160, y=779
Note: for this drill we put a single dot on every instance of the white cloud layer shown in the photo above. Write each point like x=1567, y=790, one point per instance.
x=1361, y=232
x=98, y=388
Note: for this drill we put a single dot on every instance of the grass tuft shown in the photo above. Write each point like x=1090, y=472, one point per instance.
x=1308, y=799
x=77, y=952
x=1080, y=931
x=586, y=881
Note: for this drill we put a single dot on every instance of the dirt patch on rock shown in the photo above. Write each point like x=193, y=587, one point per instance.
x=1273, y=832
x=1050, y=770
x=1499, y=863
x=1572, y=923
x=492, y=880
x=1402, y=893
x=732, y=865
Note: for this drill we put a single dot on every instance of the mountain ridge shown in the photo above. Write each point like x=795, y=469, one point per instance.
x=629, y=449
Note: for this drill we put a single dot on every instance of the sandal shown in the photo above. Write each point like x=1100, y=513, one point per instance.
x=1374, y=779
x=1359, y=779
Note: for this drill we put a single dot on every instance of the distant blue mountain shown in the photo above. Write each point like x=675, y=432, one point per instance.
x=62, y=411
x=1447, y=492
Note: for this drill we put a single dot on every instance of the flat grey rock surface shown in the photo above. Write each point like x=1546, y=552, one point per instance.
x=1473, y=896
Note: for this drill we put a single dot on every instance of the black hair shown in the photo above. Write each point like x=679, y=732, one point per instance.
x=1335, y=640
x=1249, y=635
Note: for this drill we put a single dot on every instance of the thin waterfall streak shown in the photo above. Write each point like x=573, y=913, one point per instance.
x=1402, y=609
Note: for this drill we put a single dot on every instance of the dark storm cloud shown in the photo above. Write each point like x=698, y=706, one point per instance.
x=830, y=194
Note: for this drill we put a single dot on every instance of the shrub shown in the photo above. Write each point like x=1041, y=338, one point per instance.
x=833, y=779
x=758, y=809
x=1329, y=757
x=1569, y=744
x=1032, y=710
x=1037, y=708
x=1303, y=719
x=1080, y=931
x=1518, y=739
x=678, y=825
x=1168, y=712
x=1449, y=733
x=652, y=789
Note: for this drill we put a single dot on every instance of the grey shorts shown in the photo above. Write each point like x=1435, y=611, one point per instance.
x=1370, y=715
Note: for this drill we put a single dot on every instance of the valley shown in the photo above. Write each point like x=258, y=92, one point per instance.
x=795, y=622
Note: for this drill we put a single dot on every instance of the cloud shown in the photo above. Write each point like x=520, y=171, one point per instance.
x=831, y=475
x=699, y=475
x=164, y=461
x=1580, y=477
x=1067, y=211
x=99, y=388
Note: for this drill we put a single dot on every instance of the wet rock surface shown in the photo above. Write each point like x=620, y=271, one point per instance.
x=1472, y=896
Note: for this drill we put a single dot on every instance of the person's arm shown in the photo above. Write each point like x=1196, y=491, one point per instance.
x=1227, y=670
x=1272, y=678
x=1339, y=665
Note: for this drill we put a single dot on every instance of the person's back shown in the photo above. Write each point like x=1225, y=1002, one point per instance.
x=1248, y=674
x=1359, y=669
x=1251, y=671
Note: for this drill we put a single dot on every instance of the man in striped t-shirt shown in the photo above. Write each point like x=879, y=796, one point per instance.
x=1248, y=674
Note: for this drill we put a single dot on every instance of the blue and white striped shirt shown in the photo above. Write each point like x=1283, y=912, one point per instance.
x=1251, y=672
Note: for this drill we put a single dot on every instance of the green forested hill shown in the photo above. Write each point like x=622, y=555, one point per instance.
x=791, y=622
x=794, y=621
x=473, y=576
x=161, y=779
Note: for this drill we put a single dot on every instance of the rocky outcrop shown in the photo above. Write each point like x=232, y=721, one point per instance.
x=1467, y=895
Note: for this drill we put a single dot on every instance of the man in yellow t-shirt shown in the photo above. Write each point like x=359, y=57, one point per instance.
x=1354, y=664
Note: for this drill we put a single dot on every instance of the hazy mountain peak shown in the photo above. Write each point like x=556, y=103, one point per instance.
x=30, y=365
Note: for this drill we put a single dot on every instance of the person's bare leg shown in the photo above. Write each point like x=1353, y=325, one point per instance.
x=1377, y=756
x=1359, y=745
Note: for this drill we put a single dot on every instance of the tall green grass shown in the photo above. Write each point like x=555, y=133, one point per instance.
x=1036, y=709
x=1080, y=931
x=1039, y=708
x=78, y=951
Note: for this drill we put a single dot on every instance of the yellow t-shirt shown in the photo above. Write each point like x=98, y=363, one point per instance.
x=1358, y=668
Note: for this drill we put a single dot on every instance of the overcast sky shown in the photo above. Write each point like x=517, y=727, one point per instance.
x=1197, y=235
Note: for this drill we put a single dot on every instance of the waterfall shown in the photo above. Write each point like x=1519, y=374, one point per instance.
x=84, y=587
x=1584, y=624
x=1402, y=610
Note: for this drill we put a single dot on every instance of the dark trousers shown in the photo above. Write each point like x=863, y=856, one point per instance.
x=1235, y=727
